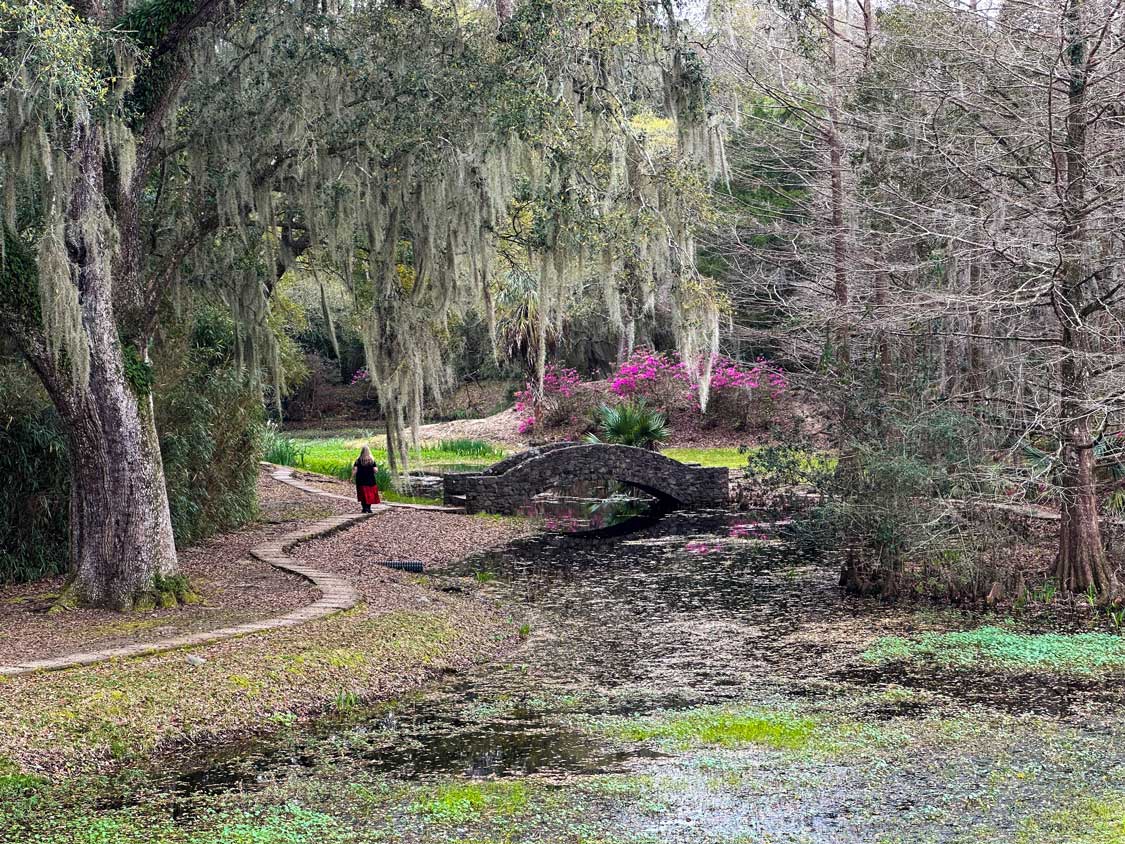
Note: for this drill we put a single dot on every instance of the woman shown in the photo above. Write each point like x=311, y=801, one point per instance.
x=363, y=473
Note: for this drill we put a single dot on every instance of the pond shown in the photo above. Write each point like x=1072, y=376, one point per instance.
x=703, y=680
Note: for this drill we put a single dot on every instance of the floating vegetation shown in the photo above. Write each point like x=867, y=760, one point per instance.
x=724, y=728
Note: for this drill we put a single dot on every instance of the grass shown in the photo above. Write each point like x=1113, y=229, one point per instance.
x=1082, y=653
x=736, y=457
x=460, y=802
x=335, y=456
x=1088, y=821
x=731, y=457
x=719, y=727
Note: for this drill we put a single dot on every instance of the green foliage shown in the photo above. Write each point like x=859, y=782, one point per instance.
x=777, y=730
x=50, y=44
x=1081, y=653
x=469, y=448
x=281, y=449
x=19, y=282
x=36, y=473
x=789, y=466
x=883, y=498
x=209, y=417
x=149, y=22
x=630, y=423
x=138, y=371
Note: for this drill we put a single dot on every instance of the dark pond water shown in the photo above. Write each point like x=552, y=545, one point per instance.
x=696, y=610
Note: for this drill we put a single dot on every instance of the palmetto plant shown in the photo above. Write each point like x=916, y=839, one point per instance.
x=630, y=423
x=1109, y=458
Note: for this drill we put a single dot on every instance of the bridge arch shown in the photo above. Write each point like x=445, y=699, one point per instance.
x=511, y=484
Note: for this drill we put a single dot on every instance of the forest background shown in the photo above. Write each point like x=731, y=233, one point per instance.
x=886, y=231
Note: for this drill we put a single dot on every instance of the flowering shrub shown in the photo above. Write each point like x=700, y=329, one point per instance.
x=662, y=379
x=740, y=395
x=744, y=396
x=360, y=375
x=565, y=401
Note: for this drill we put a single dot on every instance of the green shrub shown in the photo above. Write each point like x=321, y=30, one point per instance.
x=209, y=416
x=35, y=493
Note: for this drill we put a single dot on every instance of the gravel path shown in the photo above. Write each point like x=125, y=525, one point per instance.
x=434, y=538
x=236, y=589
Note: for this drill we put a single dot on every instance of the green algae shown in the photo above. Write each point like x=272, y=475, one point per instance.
x=458, y=802
x=723, y=728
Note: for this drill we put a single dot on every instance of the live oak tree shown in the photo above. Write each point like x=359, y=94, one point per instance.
x=89, y=89
x=150, y=145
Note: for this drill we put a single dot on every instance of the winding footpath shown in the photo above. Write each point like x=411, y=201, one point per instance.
x=336, y=595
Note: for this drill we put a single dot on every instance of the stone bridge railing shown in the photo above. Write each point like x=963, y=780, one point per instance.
x=509, y=485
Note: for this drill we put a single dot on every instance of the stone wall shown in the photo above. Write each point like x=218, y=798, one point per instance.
x=526, y=475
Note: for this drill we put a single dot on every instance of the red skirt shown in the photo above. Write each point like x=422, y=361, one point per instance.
x=368, y=495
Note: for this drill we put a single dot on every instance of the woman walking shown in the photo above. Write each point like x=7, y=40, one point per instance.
x=363, y=473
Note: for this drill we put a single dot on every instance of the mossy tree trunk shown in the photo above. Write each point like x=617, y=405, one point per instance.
x=120, y=523
x=95, y=368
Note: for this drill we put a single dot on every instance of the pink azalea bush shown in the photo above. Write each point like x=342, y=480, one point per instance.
x=661, y=379
x=565, y=401
x=743, y=396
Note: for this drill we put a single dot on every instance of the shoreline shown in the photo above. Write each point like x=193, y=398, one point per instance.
x=404, y=632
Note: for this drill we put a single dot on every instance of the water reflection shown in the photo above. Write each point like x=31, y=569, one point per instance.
x=594, y=507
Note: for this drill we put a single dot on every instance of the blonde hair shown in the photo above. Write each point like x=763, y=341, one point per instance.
x=365, y=457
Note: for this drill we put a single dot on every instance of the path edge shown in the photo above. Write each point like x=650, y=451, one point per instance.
x=336, y=595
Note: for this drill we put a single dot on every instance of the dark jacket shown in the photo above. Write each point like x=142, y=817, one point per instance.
x=364, y=475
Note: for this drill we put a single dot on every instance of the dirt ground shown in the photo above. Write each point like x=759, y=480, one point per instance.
x=235, y=588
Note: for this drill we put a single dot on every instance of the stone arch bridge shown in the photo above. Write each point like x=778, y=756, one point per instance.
x=509, y=485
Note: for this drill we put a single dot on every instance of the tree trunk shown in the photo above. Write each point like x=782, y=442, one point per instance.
x=1081, y=564
x=120, y=524
x=836, y=200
